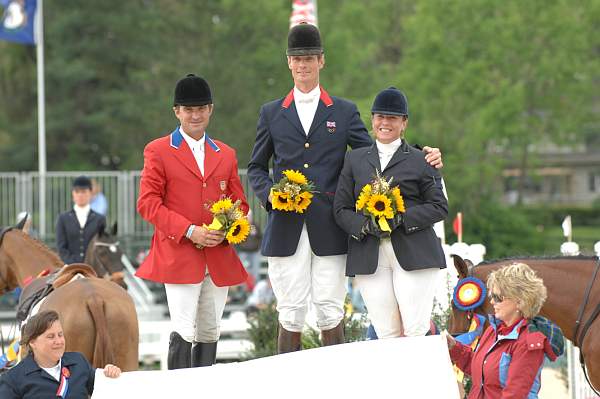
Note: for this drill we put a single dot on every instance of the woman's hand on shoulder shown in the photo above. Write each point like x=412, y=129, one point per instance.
x=112, y=371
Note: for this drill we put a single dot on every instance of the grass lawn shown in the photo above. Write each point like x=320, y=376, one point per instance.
x=585, y=236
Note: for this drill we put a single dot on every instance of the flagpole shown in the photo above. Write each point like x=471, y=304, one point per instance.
x=460, y=228
x=39, y=26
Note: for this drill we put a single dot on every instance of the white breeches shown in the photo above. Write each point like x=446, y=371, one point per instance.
x=396, y=298
x=304, y=276
x=196, y=309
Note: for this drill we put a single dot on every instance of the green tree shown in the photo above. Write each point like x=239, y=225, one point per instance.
x=111, y=68
x=488, y=81
x=504, y=231
x=18, y=107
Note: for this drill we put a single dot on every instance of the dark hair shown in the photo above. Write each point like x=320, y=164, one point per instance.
x=37, y=325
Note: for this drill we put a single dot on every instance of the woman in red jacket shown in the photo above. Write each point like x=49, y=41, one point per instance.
x=507, y=362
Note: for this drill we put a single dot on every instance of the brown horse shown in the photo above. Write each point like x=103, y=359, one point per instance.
x=98, y=317
x=566, y=279
x=104, y=255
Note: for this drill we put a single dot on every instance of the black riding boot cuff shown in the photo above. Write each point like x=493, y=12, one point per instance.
x=204, y=354
x=179, y=356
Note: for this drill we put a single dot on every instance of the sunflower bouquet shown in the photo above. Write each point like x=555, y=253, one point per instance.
x=228, y=217
x=379, y=201
x=293, y=193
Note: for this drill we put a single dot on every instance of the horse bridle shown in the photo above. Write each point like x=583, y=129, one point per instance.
x=588, y=323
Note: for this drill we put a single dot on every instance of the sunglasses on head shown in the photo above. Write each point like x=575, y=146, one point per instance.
x=496, y=298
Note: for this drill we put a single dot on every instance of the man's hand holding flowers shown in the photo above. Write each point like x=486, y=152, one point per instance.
x=229, y=222
x=204, y=237
x=293, y=193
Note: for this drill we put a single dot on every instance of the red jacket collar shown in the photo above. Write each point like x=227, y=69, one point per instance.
x=324, y=97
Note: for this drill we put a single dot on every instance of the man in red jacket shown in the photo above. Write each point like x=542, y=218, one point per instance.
x=184, y=173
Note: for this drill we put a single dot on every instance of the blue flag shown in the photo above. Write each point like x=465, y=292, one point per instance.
x=17, y=20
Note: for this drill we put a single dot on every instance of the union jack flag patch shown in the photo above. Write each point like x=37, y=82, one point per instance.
x=331, y=126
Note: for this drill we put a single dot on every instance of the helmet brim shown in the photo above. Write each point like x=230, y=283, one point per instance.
x=386, y=112
x=304, y=51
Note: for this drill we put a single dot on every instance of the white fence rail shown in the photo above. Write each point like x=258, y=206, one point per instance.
x=578, y=386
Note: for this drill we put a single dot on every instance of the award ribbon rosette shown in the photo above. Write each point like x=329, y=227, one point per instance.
x=293, y=193
x=379, y=201
x=228, y=217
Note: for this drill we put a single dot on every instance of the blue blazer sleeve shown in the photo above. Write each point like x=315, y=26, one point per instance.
x=358, y=135
x=435, y=205
x=91, y=377
x=62, y=243
x=344, y=204
x=8, y=389
x=258, y=168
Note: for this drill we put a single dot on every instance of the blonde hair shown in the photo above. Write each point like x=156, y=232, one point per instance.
x=519, y=282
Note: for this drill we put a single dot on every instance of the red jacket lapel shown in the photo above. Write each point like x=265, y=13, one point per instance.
x=212, y=157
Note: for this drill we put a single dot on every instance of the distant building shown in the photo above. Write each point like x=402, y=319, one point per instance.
x=558, y=176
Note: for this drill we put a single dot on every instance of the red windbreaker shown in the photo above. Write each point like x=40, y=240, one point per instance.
x=507, y=363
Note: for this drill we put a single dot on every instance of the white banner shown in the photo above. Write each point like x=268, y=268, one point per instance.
x=403, y=368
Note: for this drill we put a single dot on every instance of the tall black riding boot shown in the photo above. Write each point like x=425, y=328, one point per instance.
x=179, y=352
x=204, y=354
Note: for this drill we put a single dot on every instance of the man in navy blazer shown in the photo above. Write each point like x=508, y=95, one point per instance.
x=309, y=131
x=76, y=228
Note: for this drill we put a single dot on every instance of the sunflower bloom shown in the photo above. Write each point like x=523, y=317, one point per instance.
x=295, y=176
x=398, y=200
x=302, y=201
x=362, y=199
x=380, y=205
x=282, y=201
x=238, y=231
x=293, y=192
x=221, y=206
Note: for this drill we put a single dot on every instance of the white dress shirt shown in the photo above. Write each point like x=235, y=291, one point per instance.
x=387, y=151
x=53, y=371
x=197, y=147
x=306, y=105
x=82, y=213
